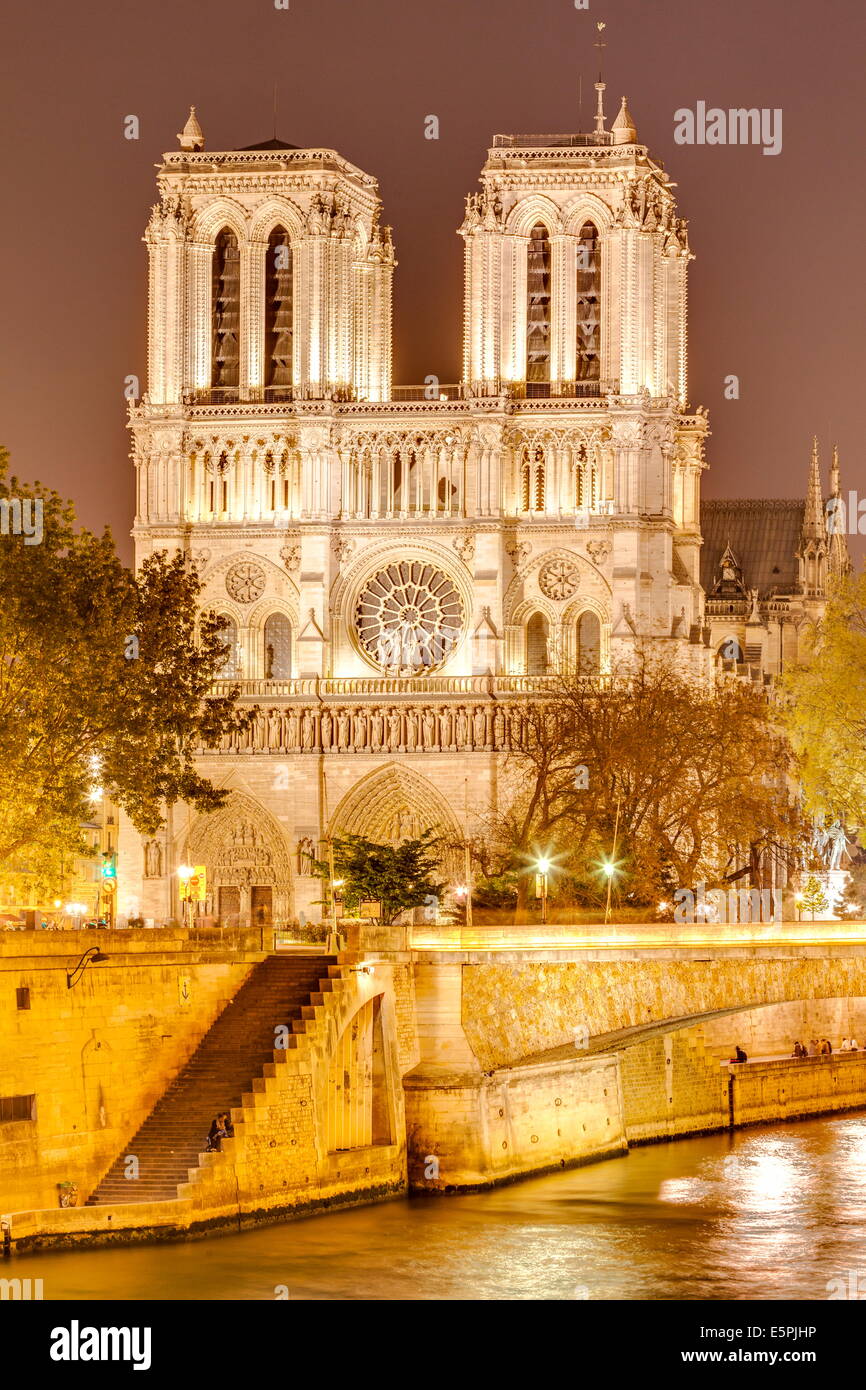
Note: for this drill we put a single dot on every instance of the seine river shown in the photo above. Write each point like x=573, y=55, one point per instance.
x=768, y=1213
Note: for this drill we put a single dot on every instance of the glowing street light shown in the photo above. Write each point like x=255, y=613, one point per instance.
x=543, y=865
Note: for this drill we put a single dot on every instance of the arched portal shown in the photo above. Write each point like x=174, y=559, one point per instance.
x=246, y=858
x=394, y=804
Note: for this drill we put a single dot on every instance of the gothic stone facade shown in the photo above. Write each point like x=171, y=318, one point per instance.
x=399, y=566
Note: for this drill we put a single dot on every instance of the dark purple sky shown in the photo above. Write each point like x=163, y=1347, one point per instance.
x=776, y=294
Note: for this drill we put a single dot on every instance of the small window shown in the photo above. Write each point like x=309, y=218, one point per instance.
x=22, y=997
x=13, y=1108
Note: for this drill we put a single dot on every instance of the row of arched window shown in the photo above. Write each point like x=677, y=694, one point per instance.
x=584, y=656
x=226, y=311
x=585, y=483
x=276, y=651
x=587, y=358
x=279, y=309
x=539, y=659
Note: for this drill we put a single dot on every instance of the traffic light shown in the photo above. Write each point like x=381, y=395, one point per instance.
x=109, y=865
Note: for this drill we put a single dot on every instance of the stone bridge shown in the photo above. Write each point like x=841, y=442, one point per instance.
x=630, y=1027
x=431, y=1058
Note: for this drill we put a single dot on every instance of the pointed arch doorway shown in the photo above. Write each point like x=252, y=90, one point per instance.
x=247, y=861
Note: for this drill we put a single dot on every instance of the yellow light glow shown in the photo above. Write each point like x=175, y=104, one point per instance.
x=184, y=871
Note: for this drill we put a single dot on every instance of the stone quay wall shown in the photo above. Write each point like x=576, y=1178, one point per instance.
x=98, y=1056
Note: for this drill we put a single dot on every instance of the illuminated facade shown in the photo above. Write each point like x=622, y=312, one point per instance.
x=398, y=565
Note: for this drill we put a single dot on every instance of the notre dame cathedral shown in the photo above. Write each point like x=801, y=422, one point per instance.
x=399, y=566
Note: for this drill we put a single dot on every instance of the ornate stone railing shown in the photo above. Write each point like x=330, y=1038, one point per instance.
x=345, y=687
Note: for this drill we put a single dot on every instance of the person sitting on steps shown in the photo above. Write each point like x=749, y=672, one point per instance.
x=216, y=1134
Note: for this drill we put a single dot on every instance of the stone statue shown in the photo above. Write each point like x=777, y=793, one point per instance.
x=377, y=729
x=462, y=728
x=343, y=729
x=307, y=731
x=411, y=730
x=499, y=728
x=516, y=722
x=306, y=851
x=479, y=728
x=444, y=727
x=428, y=723
x=153, y=859
x=292, y=730
x=327, y=721
x=835, y=845
x=394, y=723
x=819, y=835
x=359, y=729
x=274, y=723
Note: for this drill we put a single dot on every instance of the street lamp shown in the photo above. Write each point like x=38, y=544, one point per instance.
x=543, y=866
x=92, y=956
x=184, y=873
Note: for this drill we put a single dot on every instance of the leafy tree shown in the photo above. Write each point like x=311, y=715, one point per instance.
x=104, y=682
x=398, y=876
x=825, y=710
x=690, y=775
x=852, y=904
x=812, y=896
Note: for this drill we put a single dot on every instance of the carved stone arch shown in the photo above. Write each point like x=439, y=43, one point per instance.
x=515, y=594
x=222, y=212
x=583, y=603
x=242, y=847
x=219, y=569
x=268, y=604
x=224, y=607
x=391, y=803
x=586, y=207
x=524, y=610
x=276, y=212
x=536, y=208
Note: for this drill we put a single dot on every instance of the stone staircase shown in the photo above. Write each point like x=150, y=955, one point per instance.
x=231, y=1055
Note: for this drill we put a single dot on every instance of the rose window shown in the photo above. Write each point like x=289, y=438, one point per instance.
x=559, y=579
x=409, y=618
x=245, y=582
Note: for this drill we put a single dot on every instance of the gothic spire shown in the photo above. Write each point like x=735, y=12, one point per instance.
x=624, y=128
x=191, y=137
x=814, y=528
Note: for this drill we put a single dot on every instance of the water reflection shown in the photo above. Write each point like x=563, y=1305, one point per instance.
x=769, y=1213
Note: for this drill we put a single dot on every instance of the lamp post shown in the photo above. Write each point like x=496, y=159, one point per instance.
x=92, y=956
x=610, y=866
x=543, y=870
x=184, y=873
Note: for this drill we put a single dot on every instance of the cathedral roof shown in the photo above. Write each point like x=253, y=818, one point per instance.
x=764, y=536
x=273, y=144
